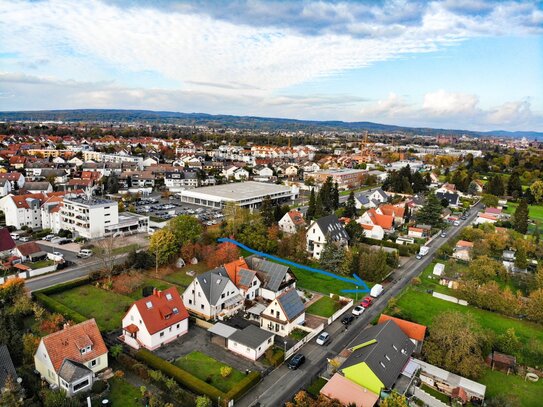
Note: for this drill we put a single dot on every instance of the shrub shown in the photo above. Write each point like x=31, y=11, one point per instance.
x=62, y=287
x=226, y=371
x=127, y=283
x=181, y=376
x=126, y=361
x=415, y=281
x=99, y=386
x=141, y=370
x=275, y=356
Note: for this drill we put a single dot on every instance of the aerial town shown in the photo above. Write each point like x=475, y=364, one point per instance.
x=175, y=266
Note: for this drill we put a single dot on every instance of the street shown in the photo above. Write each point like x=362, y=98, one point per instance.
x=279, y=386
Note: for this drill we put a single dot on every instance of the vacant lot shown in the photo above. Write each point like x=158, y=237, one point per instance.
x=208, y=369
x=181, y=277
x=106, y=307
x=325, y=307
x=418, y=306
x=535, y=211
x=526, y=393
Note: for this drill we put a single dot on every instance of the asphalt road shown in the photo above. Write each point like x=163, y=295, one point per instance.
x=280, y=385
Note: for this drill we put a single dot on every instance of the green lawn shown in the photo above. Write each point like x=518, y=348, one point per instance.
x=298, y=334
x=106, y=307
x=526, y=393
x=438, y=395
x=151, y=282
x=125, y=249
x=40, y=264
x=208, y=369
x=429, y=281
x=316, y=385
x=123, y=394
x=535, y=211
x=182, y=278
x=418, y=306
x=324, y=307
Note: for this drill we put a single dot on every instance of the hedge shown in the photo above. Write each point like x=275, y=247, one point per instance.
x=181, y=376
x=240, y=388
x=55, y=306
x=62, y=287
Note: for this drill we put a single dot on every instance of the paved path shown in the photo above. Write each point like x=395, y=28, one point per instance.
x=280, y=385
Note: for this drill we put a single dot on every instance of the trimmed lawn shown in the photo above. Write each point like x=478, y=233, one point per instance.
x=208, y=369
x=40, y=264
x=324, y=307
x=418, y=306
x=527, y=394
x=107, y=307
x=535, y=211
x=182, y=278
x=151, y=282
x=316, y=385
x=429, y=281
x=433, y=392
x=123, y=393
x=298, y=334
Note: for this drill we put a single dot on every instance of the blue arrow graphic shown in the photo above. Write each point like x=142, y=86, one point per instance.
x=356, y=280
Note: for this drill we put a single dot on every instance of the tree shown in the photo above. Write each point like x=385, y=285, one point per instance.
x=456, y=344
x=335, y=197
x=483, y=269
x=508, y=342
x=203, y=401
x=520, y=217
x=521, y=261
x=395, y=400
x=266, y=211
x=350, y=206
x=537, y=191
x=105, y=251
x=185, y=229
x=430, y=213
x=311, y=207
x=514, y=186
x=319, y=206
x=419, y=184
x=163, y=245
x=473, y=188
x=112, y=184
x=30, y=345
x=496, y=186
x=12, y=395
x=490, y=200
x=534, y=307
x=332, y=257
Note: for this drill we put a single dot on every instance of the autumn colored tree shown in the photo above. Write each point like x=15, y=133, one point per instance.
x=52, y=323
x=221, y=254
x=395, y=400
x=163, y=245
x=534, y=307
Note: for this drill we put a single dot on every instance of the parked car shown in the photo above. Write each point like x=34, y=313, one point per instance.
x=65, y=241
x=443, y=234
x=358, y=310
x=48, y=237
x=456, y=223
x=323, y=338
x=366, y=302
x=58, y=254
x=24, y=239
x=84, y=253
x=347, y=320
x=376, y=290
x=296, y=361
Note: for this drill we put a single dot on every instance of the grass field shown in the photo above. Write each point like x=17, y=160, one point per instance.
x=324, y=307
x=535, y=211
x=123, y=394
x=151, y=282
x=106, y=307
x=40, y=264
x=208, y=369
x=526, y=393
x=315, y=387
x=418, y=306
x=181, y=277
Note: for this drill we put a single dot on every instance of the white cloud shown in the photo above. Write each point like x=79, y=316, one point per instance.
x=442, y=103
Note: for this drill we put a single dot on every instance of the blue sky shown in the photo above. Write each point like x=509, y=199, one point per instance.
x=470, y=64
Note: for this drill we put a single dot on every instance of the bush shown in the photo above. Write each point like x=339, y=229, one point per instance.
x=240, y=388
x=275, y=356
x=126, y=361
x=62, y=287
x=415, y=281
x=226, y=371
x=141, y=370
x=55, y=306
x=181, y=376
x=99, y=386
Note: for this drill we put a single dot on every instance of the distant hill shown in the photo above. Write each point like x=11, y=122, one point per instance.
x=239, y=122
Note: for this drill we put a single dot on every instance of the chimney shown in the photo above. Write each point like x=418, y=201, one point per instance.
x=66, y=325
x=155, y=292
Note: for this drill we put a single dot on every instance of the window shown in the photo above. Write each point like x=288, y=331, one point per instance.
x=170, y=329
x=169, y=297
x=269, y=340
x=222, y=295
x=149, y=304
x=190, y=301
x=81, y=385
x=178, y=325
x=131, y=317
x=199, y=294
x=161, y=334
x=387, y=358
x=93, y=363
x=202, y=306
x=395, y=348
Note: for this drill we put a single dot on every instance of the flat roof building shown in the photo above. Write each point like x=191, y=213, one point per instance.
x=248, y=194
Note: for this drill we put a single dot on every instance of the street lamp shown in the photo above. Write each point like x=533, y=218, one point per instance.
x=356, y=294
x=285, y=342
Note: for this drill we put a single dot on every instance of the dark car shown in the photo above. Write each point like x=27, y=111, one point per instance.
x=296, y=361
x=347, y=320
x=65, y=241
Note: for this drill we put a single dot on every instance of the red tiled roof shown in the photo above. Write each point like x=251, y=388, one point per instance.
x=65, y=344
x=296, y=217
x=161, y=314
x=6, y=242
x=411, y=329
x=26, y=249
x=11, y=176
x=414, y=229
x=21, y=200
x=464, y=243
x=385, y=221
x=391, y=210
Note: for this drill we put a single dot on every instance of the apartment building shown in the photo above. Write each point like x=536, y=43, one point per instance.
x=89, y=218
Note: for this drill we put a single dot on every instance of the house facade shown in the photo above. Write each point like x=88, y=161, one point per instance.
x=70, y=358
x=325, y=230
x=283, y=314
x=155, y=320
x=291, y=222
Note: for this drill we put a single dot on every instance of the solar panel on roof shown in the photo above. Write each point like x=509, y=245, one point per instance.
x=292, y=304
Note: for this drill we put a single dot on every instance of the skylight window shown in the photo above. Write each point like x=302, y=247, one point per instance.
x=169, y=297
x=176, y=311
x=149, y=304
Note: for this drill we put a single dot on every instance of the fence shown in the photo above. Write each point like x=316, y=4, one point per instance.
x=428, y=399
x=306, y=339
x=341, y=311
x=202, y=324
x=30, y=273
x=449, y=298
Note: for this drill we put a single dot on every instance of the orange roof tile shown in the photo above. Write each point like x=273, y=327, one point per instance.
x=411, y=329
x=391, y=210
x=63, y=344
x=464, y=243
x=385, y=221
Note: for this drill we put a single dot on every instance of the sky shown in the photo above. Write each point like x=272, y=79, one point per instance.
x=462, y=64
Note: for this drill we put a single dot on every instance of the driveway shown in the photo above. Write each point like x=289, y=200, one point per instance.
x=197, y=339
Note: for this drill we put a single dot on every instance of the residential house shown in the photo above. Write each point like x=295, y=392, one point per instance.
x=241, y=174
x=415, y=232
x=439, y=268
x=8, y=369
x=250, y=342
x=283, y=314
x=6, y=243
x=373, y=231
x=378, y=357
x=155, y=320
x=348, y=393
x=370, y=198
x=16, y=179
x=70, y=358
x=447, y=188
x=462, y=250
x=244, y=278
x=177, y=181
x=5, y=187
x=397, y=213
x=451, y=197
x=415, y=332
x=213, y=295
x=22, y=210
x=376, y=217
x=51, y=215
x=485, y=218
x=89, y=218
x=327, y=229
x=29, y=251
x=275, y=278
x=38, y=187
x=291, y=222
x=263, y=172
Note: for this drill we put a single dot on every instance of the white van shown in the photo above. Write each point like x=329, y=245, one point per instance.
x=84, y=253
x=15, y=235
x=376, y=290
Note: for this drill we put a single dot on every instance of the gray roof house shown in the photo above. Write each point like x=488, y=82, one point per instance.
x=6, y=366
x=283, y=314
x=385, y=349
x=275, y=277
x=370, y=198
x=325, y=230
x=75, y=372
x=452, y=198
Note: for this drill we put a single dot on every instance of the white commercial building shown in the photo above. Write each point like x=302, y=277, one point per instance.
x=247, y=194
x=89, y=218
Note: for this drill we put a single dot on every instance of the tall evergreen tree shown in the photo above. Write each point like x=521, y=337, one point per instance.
x=266, y=211
x=520, y=217
x=335, y=196
x=319, y=207
x=430, y=213
x=521, y=261
x=496, y=186
x=514, y=186
x=350, y=206
x=311, y=207
x=419, y=184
